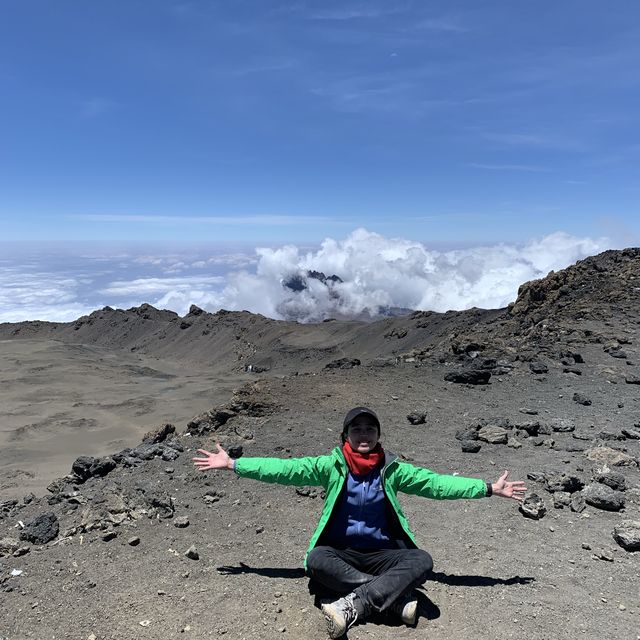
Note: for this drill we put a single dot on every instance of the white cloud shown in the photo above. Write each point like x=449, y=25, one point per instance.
x=375, y=271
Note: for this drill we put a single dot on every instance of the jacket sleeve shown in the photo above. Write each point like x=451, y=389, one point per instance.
x=312, y=471
x=429, y=484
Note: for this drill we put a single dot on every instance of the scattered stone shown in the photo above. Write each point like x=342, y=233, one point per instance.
x=533, y=507
x=235, y=452
x=581, y=399
x=470, y=433
x=563, y=482
x=134, y=541
x=159, y=435
x=631, y=433
x=627, y=535
x=169, y=470
x=603, y=497
x=611, y=457
x=343, y=363
x=532, y=429
x=102, y=466
x=109, y=535
x=471, y=376
x=181, y=522
x=41, y=529
x=586, y=547
x=81, y=466
x=8, y=546
x=538, y=367
x=513, y=443
x=609, y=435
x=29, y=498
x=192, y=553
x=493, y=435
x=578, y=505
x=632, y=379
x=612, y=479
x=574, y=370
x=563, y=426
x=561, y=499
x=470, y=446
x=417, y=417
x=530, y=412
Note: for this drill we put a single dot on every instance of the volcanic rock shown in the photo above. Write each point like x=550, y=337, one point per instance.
x=632, y=434
x=471, y=376
x=561, y=499
x=493, y=435
x=603, y=497
x=470, y=446
x=632, y=379
x=611, y=457
x=343, y=363
x=41, y=529
x=417, y=417
x=563, y=482
x=627, y=535
x=612, y=479
x=159, y=435
x=581, y=399
x=533, y=507
x=538, y=367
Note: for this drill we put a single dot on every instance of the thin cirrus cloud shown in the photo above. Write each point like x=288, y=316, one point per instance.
x=507, y=167
x=264, y=220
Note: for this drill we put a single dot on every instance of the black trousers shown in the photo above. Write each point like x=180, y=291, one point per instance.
x=378, y=577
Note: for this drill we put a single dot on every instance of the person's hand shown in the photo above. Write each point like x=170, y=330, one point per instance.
x=506, y=489
x=218, y=460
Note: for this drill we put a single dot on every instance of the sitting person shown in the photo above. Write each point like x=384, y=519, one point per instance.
x=363, y=549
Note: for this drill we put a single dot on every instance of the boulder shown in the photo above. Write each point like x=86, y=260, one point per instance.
x=611, y=457
x=612, y=479
x=417, y=417
x=41, y=529
x=160, y=434
x=538, y=367
x=563, y=482
x=601, y=496
x=493, y=435
x=470, y=446
x=627, y=535
x=533, y=507
x=581, y=399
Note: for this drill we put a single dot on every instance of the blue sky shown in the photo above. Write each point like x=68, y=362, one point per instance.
x=257, y=121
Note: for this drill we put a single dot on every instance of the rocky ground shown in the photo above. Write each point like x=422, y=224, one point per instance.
x=138, y=544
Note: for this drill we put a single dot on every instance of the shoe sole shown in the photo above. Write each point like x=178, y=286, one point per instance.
x=410, y=612
x=335, y=622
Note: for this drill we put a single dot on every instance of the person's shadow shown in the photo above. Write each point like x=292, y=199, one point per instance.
x=426, y=607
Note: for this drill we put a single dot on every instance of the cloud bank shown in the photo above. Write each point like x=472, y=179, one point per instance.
x=373, y=272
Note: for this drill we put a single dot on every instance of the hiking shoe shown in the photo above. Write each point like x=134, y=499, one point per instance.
x=340, y=615
x=406, y=608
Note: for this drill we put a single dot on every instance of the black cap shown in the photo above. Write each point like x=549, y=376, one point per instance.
x=356, y=412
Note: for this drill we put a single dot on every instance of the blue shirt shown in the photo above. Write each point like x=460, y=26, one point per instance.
x=360, y=516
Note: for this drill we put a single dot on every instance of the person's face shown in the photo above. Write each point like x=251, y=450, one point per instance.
x=362, y=434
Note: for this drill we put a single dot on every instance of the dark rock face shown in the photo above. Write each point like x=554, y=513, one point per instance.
x=470, y=446
x=603, y=497
x=627, y=535
x=81, y=467
x=41, y=529
x=472, y=376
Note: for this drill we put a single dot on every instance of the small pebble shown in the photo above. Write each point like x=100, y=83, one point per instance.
x=622, y=607
x=134, y=542
x=192, y=553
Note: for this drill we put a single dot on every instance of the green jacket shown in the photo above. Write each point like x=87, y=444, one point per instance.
x=330, y=472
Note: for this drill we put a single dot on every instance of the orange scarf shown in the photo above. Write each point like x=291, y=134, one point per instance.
x=361, y=464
